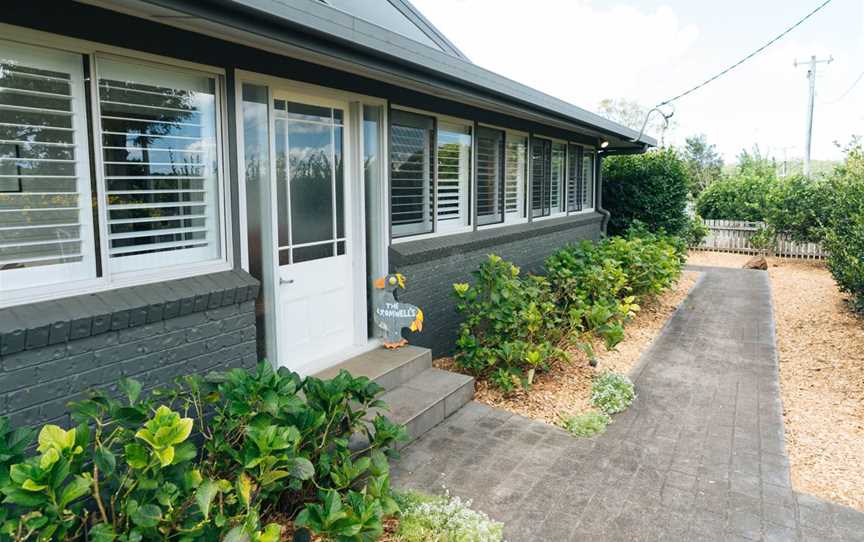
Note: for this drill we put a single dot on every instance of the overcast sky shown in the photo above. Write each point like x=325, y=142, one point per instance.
x=649, y=50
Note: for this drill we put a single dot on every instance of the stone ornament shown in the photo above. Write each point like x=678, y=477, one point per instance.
x=390, y=315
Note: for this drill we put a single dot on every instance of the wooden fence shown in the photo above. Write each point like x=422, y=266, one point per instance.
x=734, y=236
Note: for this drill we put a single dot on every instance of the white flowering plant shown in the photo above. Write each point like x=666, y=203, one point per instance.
x=444, y=518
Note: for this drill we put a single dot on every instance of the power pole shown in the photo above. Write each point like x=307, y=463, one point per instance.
x=811, y=76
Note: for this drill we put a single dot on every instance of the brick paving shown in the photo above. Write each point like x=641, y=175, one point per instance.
x=699, y=456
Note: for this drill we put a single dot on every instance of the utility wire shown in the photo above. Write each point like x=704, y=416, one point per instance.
x=748, y=57
x=850, y=89
x=730, y=68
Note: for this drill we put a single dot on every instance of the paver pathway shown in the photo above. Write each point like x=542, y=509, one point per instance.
x=699, y=456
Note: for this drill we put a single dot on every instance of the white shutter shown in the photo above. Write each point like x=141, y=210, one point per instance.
x=559, y=151
x=588, y=179
x=160, y=159
x=490, y=176
x=574, y=186
x=514, y=182
x=410, y=173
x=45, y=211
x=454, y=174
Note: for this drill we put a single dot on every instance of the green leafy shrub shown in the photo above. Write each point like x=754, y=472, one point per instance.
x=273, y=443
x=696, y=232
x=651, y=187
x=800, y=207
x=510, y=328
x=612, y=392
x=426, y=518
x=844, y=236
x=586, y=425
x=741, y=197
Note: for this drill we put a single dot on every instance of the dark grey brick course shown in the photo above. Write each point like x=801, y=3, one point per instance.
x=432, y=266
x=52, y=352
x=699, y=456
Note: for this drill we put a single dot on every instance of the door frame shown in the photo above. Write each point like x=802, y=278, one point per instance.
x=355, y=209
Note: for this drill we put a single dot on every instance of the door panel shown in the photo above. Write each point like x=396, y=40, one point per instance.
x=315, y=269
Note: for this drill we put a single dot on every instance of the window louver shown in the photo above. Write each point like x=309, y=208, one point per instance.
x=514, y=183
x=45, y=231
x=453, y=174
x=490, y=176
x=161, y=176
x=588, y=179
x=556, y=188
x=541, y=154
x=574, y=178
x=410, y=174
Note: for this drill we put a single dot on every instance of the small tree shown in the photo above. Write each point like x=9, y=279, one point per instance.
x=703, y=163
x=651, y=188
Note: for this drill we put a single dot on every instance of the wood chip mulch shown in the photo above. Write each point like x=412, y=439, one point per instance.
x=567, y=387
x=821, y=350
x=391, y=525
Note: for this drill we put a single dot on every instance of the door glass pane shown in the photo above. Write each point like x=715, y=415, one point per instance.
x=310, y=180
x=282, y=218
x=310, y=167
x=305, y=254
x=256, y=160
x=340, y=185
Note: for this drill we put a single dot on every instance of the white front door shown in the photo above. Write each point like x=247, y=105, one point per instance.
x=316, y=297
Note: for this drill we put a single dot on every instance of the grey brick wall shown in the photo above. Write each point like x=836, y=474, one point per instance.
x=432, y=266
x=36, y=383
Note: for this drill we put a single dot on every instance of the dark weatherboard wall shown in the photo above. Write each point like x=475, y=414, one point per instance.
x=432, y=266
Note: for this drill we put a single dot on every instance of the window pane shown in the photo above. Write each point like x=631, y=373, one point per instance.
x=490, y=176
x=574, y=186
x=314, y=252
x=160, y=157
x=514, y=184
x=454, y=174
x=410, y=174
x=45, y=232
x=588, y=179
x=541, y=156
x=310, y=166
x=256, y=159
x=556, y=187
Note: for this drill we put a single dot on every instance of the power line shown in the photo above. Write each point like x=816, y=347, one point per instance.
x=746, y=58
x=727, y=70
x=850, y=89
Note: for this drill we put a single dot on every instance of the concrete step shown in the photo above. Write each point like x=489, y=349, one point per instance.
x=389, y=368
x=426, y=400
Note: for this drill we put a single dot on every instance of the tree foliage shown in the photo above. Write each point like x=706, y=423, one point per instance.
x=651, y=188
x=704, y=164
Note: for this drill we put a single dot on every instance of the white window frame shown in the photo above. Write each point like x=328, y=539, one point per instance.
x=563, y=194
x=593, y=187
x=109, y=281
x=521, y=216
x=471, y=196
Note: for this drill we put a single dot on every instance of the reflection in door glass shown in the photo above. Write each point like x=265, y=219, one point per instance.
x=310, y=165
x=310, y=181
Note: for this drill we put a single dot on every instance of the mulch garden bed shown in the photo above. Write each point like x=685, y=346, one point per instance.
x=821, y=350
x=567, y=387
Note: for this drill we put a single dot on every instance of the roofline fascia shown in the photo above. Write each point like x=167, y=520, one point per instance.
x=374, y=63
x=416, y=16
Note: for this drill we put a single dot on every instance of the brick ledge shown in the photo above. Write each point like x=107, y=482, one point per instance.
x=45, y=323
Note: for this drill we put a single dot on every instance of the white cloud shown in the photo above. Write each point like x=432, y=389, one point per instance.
x=647, y=55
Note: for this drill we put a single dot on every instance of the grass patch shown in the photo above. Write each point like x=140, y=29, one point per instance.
x=612, y=392
x=586, y=425
x=442, y=518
